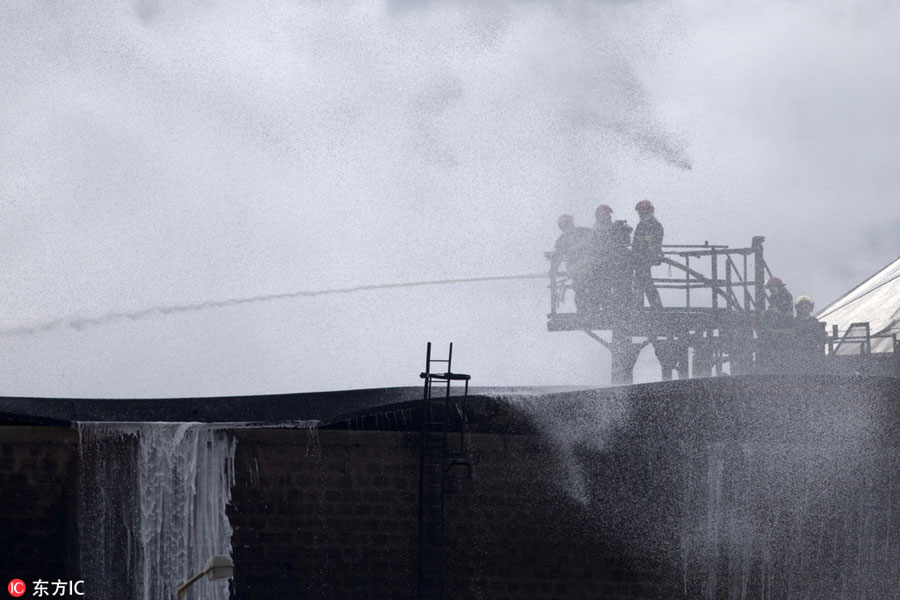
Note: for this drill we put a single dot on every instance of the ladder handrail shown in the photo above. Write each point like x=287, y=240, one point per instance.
x=437, y=461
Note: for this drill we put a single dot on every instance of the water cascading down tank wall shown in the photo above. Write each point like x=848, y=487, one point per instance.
x=152, y=507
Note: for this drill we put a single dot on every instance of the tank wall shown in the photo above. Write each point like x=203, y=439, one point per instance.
x=755, y=488
x=38, y=503
x=324, y=514
x=333, y=514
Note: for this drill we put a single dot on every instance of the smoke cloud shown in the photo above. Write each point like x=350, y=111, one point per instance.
x=157, y=154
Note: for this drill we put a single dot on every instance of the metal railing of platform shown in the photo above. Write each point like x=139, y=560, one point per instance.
x=713, y=277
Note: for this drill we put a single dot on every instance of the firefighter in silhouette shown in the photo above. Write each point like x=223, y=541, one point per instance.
x=576, y=246
x=776, y=332
x=646, y=252
x=612, y=278
x=781, y=302
x=809, y=336
x=804, y=307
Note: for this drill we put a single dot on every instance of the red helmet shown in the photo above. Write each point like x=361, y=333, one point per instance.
x=603, y=209
x=565, y=221
x=773, y=282
x=644, y=206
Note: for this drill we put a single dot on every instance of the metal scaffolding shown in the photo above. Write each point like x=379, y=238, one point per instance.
x=710, y=321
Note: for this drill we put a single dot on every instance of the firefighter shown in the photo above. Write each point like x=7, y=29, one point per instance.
x=804, y=307
x=577, y=247
x=646, y=252
x=611, y=233
x=781, y=302
x=612, y=239
x=603, y=224
x=776, y=332
x=809, y=335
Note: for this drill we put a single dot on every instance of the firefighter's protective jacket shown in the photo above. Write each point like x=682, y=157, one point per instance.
x=577, y=247
x=648, y=238
x=782, y=302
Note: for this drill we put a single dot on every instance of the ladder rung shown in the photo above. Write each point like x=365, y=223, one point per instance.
x=447, y=376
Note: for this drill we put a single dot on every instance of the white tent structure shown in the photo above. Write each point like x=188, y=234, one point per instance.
x=876, y=301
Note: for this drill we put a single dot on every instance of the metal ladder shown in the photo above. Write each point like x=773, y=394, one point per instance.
x=442, y=453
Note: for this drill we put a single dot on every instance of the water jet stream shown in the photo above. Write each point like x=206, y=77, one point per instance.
x=83, y=322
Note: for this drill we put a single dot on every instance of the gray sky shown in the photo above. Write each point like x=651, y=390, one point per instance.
x=159, y=153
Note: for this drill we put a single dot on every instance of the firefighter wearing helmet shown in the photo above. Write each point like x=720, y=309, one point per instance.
x=809, y=336
x=777, y=348
x=613, y=285
x=609, y=232
x=646, y=252
x=576, y=247
x=804, y=306
x=603, y=213
x=781, y=302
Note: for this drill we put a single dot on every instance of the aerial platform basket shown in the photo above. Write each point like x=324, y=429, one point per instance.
x=721, y=302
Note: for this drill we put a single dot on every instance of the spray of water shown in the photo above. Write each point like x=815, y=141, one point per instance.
x=787, y=493
x=576, y=427
x=156, y=311
x=156, y=494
